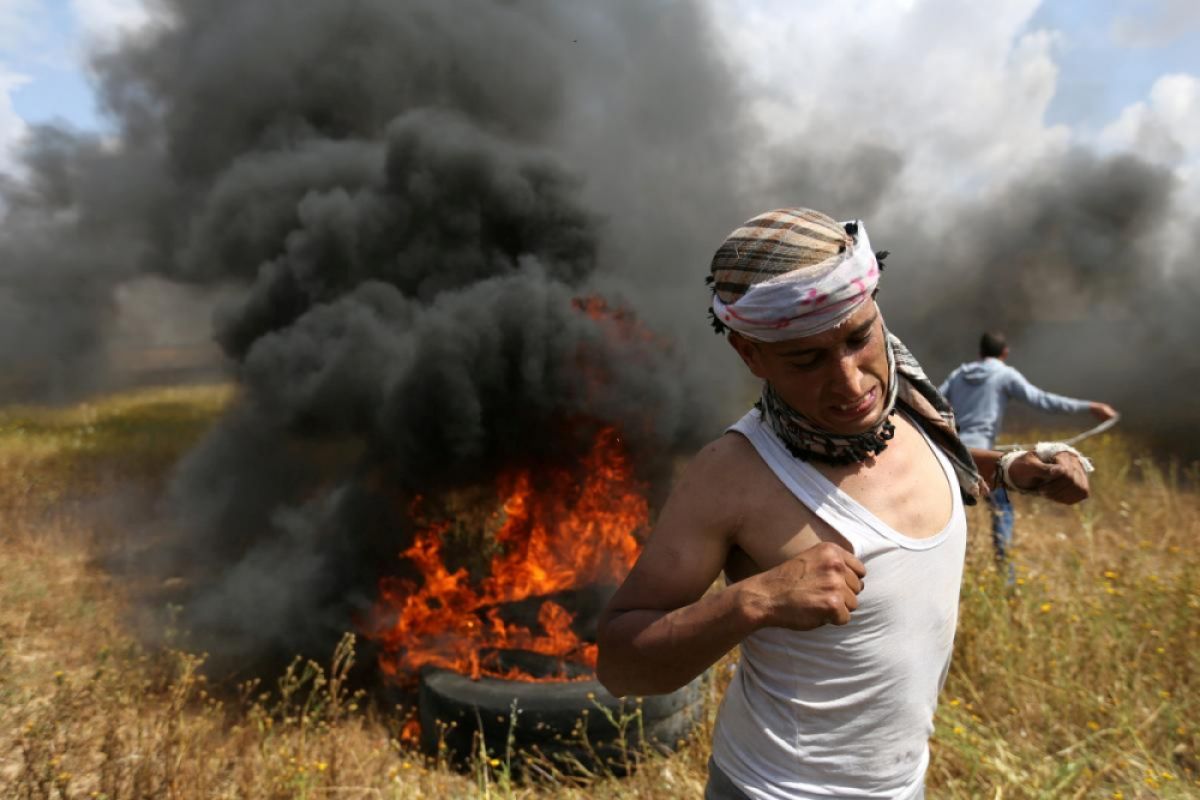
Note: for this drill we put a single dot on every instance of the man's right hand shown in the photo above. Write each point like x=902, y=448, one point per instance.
x=1102, y=411
x=818, y=586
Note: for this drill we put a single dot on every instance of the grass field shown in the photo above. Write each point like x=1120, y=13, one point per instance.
x=1079, y=683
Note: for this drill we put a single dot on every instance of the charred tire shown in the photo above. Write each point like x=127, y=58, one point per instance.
x=573, y=725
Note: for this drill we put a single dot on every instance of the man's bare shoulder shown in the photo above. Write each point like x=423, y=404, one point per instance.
x=722, y=475
x=724, y=457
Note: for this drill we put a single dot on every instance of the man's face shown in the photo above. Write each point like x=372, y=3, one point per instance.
x=838, y=379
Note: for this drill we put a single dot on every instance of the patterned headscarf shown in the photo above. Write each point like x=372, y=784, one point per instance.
x=794, y=272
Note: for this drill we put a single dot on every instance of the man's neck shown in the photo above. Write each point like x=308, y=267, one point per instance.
x=907, y=470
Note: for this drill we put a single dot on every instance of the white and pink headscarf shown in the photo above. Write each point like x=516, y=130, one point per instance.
x=792, y=272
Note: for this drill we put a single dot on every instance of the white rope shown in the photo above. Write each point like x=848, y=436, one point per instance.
x=1101, y=428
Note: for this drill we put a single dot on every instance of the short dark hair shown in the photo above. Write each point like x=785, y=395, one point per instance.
x=992, y=344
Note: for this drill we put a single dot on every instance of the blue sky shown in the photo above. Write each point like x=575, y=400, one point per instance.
x=43, y=63
x=1111, y=53
x=47, y=52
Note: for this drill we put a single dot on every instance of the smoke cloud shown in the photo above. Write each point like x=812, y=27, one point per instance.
x=400, y=204
x=1074, y=262
x=413, y=199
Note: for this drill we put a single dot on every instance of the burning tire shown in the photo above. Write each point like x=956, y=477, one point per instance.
x=570, y=724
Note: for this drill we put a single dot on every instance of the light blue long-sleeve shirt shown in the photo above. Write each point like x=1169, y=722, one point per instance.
x=978, y=392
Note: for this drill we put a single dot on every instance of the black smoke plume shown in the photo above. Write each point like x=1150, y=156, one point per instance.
x=413, y=198
x=407, y=197
x=1075, y=262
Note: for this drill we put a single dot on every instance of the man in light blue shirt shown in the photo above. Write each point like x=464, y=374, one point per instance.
x=978, y=392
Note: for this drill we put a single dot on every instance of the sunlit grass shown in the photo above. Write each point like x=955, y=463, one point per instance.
x=50, y=455
x=1078, y=682
x=1081, y=680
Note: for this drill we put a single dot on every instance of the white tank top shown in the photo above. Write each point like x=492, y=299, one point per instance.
x=847, y=711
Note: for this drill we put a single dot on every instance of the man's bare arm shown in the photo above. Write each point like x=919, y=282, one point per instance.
x=661, y=629
x=649, y=651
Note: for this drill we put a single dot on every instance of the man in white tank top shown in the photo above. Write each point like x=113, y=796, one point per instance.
x=835, y=510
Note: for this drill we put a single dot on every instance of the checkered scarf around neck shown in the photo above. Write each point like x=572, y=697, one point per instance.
x=910, y=390
x=794, y=272
x=807, y=441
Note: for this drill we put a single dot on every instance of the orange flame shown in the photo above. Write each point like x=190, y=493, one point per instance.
x=619, y=322
x=411, y=732
x=572, y=534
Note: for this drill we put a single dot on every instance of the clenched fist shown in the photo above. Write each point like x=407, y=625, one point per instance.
x=818, y=586
x=1063, y=481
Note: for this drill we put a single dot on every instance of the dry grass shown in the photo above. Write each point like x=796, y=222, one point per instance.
x=1078, y=683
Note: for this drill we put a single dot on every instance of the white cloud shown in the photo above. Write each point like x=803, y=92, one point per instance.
x=959, y=89
x=105, y=21
x=1165, y=128
x=1158, y=23
x=12, y=127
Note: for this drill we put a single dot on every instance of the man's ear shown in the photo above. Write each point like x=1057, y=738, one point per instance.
x=750, y=353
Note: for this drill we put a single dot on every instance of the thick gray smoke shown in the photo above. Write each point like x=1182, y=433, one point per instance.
x=241, y=130
x=413, y=197
x=408, y=197
x=1073, y=261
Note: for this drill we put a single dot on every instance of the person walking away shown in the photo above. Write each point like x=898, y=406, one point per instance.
x=979, y=391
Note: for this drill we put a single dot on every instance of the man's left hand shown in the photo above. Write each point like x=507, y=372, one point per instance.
x=1063, y=481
